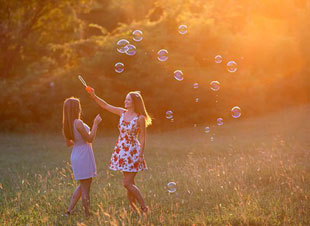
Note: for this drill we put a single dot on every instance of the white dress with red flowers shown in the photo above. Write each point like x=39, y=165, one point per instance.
x=126, y=152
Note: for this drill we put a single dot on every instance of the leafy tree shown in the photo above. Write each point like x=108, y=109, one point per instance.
x=29, y=26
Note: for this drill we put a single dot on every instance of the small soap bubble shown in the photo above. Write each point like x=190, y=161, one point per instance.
x=220, y=121
x=122, y=45
x=137, y=35
x=178, y=75
x=207, y=129
x=169, y=114
x=162, y=55
x=232, y=66
x=119, y=67
x=218, y=59
x=215, y=85
x=236, y=112
x=172, y=187
x=131, y=50
x=182, y=29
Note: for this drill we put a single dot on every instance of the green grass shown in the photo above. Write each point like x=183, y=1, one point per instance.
x=255, y=172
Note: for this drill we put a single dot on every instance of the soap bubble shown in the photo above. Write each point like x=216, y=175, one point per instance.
x=195, y=85
x=236, y=112
x=178, y=75
x=122, y=45
x=137, y=35
x=119, y=67
x=162, y=55
x=220, y=121
x=218, y=59
x=232, y=66
x=172, y=187
x=215, y=85
x=182, y=29
x=197, y=100
x=207, y=129
x=169, y=114
x=131, y=50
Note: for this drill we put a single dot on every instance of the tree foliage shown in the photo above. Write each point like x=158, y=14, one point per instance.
x=46, y=44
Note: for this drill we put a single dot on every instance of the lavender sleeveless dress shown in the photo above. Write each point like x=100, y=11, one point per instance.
x=82, y=157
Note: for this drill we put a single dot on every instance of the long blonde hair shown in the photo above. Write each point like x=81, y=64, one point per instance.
x=71, y=111
x=139, y=106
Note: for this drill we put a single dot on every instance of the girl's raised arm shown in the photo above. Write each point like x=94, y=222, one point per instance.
x=102, y=103
x=88, y=137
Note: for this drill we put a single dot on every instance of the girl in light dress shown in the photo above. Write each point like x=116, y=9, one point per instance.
x=79, y=135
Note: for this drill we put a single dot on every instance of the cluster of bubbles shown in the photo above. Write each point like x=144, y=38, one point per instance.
x=214, y=85
x=124, y=47
x=232, y=66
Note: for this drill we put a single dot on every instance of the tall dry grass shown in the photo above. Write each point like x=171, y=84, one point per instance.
x=255, y=172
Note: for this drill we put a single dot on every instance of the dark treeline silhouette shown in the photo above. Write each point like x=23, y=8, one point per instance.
x=45, y=45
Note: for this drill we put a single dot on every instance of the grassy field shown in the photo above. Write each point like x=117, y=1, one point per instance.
x=255, y=172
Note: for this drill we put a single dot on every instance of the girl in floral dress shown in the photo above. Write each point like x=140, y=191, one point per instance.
x=128, y=154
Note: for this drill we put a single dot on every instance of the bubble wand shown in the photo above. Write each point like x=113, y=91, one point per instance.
x=88, y=88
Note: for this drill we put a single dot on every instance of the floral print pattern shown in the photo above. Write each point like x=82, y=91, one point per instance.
x=126, y=152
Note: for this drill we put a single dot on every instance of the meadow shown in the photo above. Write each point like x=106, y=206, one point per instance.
x=256, y=171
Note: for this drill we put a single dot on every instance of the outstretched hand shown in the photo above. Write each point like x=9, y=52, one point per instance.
x=97, y=120
x=90, y=90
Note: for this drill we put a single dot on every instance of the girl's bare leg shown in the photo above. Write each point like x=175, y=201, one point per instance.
x=85, y=188
x=133, y=189
x=132, y=199
x=75, y=198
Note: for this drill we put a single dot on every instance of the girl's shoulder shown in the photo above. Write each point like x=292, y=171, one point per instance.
x=78, y=122
x=123, y=113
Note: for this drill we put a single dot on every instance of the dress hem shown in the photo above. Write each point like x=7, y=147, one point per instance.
x=84, y=178
x=127, y=170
